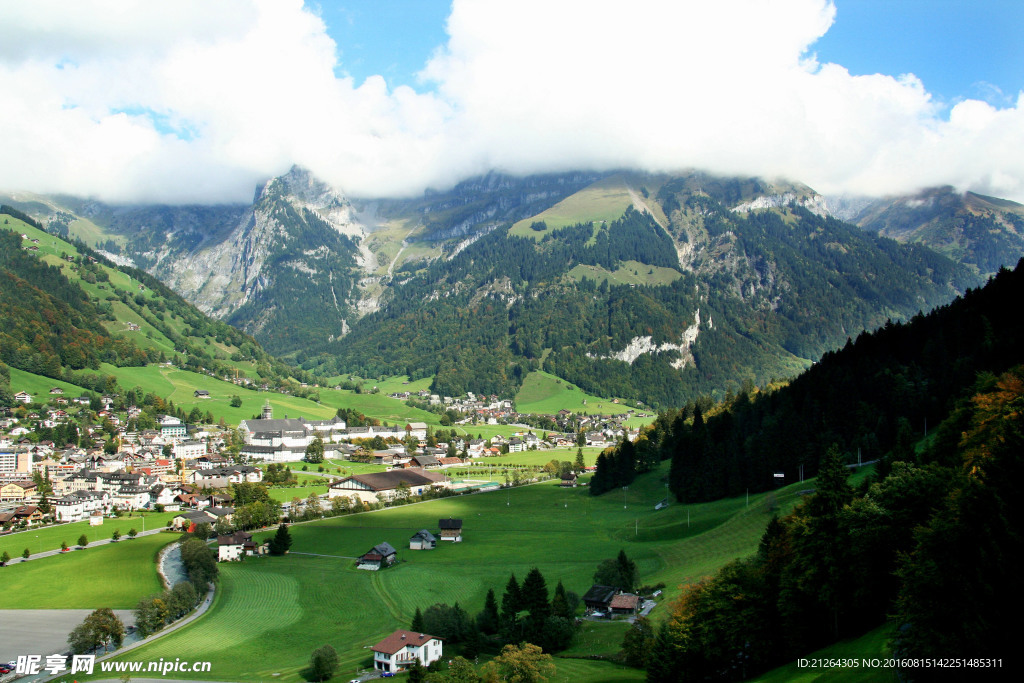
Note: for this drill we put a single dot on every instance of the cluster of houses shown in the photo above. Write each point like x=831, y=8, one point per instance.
x=493, y=410
x=384, y=554
x=286, y=439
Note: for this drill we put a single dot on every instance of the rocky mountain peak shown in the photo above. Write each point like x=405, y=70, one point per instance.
x=300, y=185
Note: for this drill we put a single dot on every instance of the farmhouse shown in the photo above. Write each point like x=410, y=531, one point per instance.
x=423, y=540
x=369, y=488
x=233, y=547
x=188, y=521
x=624, y=603
x=399, y=650
x=451, y=529
x=568, y=480
x=381, y=555
x=599, y=598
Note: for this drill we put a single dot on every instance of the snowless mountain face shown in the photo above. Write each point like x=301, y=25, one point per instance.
x=982, y=232
x=495, y=265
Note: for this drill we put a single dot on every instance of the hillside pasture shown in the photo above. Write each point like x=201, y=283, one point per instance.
x=605, y=200
x=628, y=273
x=39, y=386
x=544, y=393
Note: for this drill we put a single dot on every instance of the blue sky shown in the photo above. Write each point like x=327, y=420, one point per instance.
x=958, y=48
x=390, y=38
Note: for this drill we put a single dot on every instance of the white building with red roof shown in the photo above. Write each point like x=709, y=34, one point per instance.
x=398, y=651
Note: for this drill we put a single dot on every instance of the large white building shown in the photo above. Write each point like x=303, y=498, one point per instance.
x=398, y=651
x=284, y=440
x=370, y=488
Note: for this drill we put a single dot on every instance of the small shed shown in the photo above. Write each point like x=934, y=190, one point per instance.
x=451, y=529
x=380, y=556
x=423, y=540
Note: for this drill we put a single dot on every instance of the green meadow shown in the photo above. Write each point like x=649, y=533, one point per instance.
x=628, y=273
x=872, y=645
x=115, y=575
x=40, y=386
x=544, y=393
x=605, y=200
x=285, y=495
x=278, y=609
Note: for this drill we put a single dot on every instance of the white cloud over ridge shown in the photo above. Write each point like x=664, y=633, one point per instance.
x=194, y=101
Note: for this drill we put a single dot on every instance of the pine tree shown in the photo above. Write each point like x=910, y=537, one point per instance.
x=417, y=622
x=535, y=597
x=281, y=541
x=627, y=570
x=489, y=619
x=559, y=603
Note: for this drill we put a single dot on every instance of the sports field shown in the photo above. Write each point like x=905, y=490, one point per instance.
x=39, y=539
x=116, y=575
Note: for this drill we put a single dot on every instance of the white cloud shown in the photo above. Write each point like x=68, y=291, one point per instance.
x=198, y=101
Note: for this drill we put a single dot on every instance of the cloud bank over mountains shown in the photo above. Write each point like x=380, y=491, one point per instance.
x=194, y=101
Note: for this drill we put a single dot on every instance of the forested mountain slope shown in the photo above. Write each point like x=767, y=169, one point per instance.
x=985, y=233
x=652, y=288
x=710, y=300
x=876, y=396
x=65, y=309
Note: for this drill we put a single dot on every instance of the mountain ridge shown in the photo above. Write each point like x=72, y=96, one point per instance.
x=304, y=267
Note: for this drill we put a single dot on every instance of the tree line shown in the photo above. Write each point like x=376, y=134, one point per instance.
x=874, y=396
x=931, y=545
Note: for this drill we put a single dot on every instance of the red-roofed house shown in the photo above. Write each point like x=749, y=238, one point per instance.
x=624, y=603
x=398, y=651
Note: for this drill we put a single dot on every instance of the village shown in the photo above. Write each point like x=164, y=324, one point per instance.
x=193, y=470
x=107, y=464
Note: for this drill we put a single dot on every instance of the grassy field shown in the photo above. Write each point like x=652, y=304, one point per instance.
x=278, y=609
x=872, y=645
x=285, y=495
x=49, y=538
x=605, y=200
x=628, y=273
x=116, y=575
x=544, y=393
x=40, y=386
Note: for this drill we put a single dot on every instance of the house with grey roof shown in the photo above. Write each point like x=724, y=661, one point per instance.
x=380, y=556
x=422, y=540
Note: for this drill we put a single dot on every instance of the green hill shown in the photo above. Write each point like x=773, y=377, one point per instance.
x=69, y=314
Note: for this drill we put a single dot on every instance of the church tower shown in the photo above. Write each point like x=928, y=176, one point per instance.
x=268, y=412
